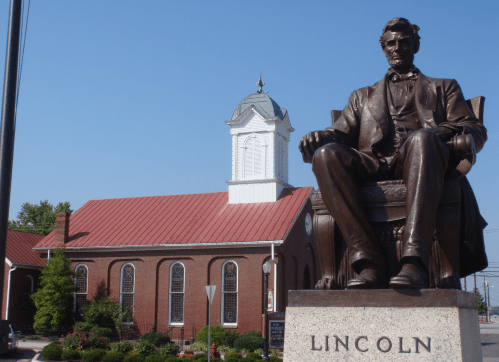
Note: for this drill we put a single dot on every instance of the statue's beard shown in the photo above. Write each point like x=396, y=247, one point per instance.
x=402, y=64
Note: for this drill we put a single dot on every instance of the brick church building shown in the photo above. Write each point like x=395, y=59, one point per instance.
x=156, y=254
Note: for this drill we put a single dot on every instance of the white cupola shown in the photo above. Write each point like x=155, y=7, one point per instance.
x=260, y=132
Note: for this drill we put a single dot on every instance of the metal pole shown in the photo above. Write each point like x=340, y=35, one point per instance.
x=209, y=331
x=474, y=283
x=488, y=302
x=485, y=298
x=265, y=305
x=465, y=285
x=7, y=130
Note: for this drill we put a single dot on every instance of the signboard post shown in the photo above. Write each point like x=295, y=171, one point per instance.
x=210, y=290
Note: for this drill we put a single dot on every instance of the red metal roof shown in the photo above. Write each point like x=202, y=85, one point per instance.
x=180, y=219
x=19, y=248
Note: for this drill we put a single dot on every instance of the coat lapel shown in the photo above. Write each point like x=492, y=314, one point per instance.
x=378, y=105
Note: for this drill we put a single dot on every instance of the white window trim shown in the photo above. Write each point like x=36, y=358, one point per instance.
x=170, y=296
x=223, y=296
x=75, y=293
x=264, y=158
x=121, y=288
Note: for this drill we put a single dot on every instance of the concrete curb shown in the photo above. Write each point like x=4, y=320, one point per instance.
x=35, y=359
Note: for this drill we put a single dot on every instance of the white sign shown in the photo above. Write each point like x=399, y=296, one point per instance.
x=270, y=302
x=210, y=290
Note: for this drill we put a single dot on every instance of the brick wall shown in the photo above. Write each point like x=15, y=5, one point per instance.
x=204, y=267
x=17, y=288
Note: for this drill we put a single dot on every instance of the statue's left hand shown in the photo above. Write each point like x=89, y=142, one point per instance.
x=310, y=143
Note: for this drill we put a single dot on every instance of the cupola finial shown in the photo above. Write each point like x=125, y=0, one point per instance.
x=260, y=84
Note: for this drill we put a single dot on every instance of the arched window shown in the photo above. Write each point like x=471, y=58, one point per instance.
x=229, y=292
x=306, y=278
x=127, y=288
x=254, y=158
x=81, y=285
x=29, y=285
x=177, y=287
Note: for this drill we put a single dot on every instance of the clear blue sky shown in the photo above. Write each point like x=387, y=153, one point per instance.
x=130, y=98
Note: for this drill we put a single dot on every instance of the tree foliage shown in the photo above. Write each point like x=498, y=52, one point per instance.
x=107, y=311
x=482, y=308
x=54, y=298
x=38, y=219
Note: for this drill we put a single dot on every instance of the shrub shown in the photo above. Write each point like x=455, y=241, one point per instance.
x=96, y=341
x=229, y=338
x=156, y=338
x=83, y=326
x=233, y=357
x=259, y=351
x=217, y=360
x=144, y=347
x=169, y=349
x=33, y=337
x=249, y=342
x=275, y=359
x=93, y=355
x=101, y=331
x=254, y=355
x=123, y=347
x=170, y=359
x=252, y=333
x=135, y=357
x=154, y=358
x=51, y=338
x=200, y=356
x=199, y=346
x=274, y=352
x=52, y=351
x=113, y=357
x=217, y=335
x=70, y=354
x=186, y=355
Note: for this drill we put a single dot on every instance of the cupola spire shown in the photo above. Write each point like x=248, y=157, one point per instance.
x=260, y=84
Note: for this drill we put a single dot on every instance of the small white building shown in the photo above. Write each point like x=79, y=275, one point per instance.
x=260, y=132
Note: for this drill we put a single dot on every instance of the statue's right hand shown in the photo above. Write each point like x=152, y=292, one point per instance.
x=309, y=144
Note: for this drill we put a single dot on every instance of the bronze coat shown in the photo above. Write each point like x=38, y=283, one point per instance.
x=364, y=125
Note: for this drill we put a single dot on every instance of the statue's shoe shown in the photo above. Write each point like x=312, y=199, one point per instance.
x=410, y=277
x=367, y=279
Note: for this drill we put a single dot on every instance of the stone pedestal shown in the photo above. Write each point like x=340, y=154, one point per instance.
x=382, y=325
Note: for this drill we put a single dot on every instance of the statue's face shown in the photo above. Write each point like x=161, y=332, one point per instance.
x=399, y=49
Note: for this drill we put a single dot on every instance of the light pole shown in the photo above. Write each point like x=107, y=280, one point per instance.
x=266, y=272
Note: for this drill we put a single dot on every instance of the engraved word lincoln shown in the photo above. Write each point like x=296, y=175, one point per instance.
x=391, y=174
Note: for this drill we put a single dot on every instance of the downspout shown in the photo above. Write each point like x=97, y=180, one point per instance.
x=8, y=294
x=275, y=276
x=48, y=255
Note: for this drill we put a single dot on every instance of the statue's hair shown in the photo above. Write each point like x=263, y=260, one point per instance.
x=401, y=24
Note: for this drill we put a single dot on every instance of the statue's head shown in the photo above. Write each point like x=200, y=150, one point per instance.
x=400, y=41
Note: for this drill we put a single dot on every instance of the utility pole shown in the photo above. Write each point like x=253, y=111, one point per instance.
x=7, y=142
x=488, y=302
x=465, y=285
x=485, y=298
x=474, y=284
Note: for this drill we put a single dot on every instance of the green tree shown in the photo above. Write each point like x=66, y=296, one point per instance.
x=38, y=219
x=54, y=298
x=482, y=308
